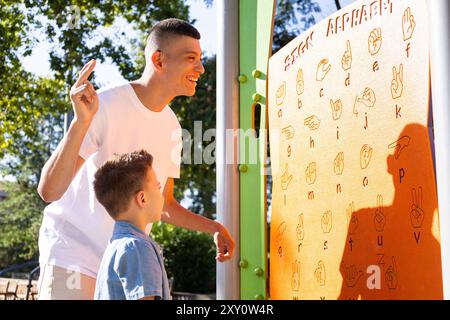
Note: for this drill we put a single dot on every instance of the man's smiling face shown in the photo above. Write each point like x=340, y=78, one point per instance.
x=182, y=65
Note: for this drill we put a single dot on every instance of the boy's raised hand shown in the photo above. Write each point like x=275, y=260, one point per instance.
x=83, y=95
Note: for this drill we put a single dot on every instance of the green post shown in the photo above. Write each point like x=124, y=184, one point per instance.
x=255, y=47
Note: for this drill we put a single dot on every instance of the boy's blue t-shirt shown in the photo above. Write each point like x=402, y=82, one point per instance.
x=132, y=267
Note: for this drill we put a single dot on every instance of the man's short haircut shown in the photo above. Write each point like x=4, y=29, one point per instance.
x=117, y=181
x=166, y=30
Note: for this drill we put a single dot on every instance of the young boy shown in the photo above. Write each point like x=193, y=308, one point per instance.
x=132, y=267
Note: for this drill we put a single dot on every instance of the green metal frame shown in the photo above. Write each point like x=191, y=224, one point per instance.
x=255, y=47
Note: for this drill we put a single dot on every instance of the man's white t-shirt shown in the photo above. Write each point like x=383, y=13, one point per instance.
x=76, y=229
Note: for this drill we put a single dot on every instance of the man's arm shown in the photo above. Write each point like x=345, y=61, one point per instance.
x=62, y=166
x=65, y=162
x=181, y=217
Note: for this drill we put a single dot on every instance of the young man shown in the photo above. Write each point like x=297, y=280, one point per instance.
x=132, y=267
x=76, y=228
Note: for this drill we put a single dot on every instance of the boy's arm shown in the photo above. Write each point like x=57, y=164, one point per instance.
x=148, y=298
x=181, y=217
x=65, y=161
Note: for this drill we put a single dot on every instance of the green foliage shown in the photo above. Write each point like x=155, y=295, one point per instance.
x=189, y=257
x=32, y=125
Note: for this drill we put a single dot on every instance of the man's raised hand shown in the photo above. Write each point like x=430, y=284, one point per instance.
x=83, y=96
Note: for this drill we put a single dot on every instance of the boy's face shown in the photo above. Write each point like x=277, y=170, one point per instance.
x=182, y=65
x=152, y=189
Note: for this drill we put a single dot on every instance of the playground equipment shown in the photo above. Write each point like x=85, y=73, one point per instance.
x=244, y=48
x=345, y=224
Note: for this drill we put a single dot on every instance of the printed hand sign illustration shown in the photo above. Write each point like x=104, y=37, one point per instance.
x=400, y=145
x=375, y=41
x=347, y=57
x=312, y=122
x=288, y=132
x=300, y=82
x=379, y=218
x=391, y=275
x=408, y=24
x=339, y=164
x=352, y=219
x=326, y=221
x=417, y=214
x=397, y=82
x=352, y=275
x=300, y=230
x=319, y=273
x=286, y=178
x=310, y=173
x=295, y=281
x=336, y=108
x=280, y=94
x=322, y=69
x=279, y=238
x=365, y=156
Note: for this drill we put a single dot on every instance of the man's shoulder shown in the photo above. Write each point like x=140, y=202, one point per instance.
x=112, y=90
x=172, y=117
x=114, y=97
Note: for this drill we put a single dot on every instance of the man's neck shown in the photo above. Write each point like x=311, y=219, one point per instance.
x=151, y=92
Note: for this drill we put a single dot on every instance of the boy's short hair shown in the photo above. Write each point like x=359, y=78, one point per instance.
x=117, y=181
x=165, y=30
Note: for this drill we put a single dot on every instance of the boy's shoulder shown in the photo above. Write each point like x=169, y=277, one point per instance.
x=132, y=244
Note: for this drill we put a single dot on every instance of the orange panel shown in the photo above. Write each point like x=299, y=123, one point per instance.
x=354, y=211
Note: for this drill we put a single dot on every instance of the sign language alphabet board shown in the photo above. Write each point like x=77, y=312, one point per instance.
x=354, y=211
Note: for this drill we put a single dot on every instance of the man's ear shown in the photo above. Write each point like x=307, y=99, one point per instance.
x=157, y=59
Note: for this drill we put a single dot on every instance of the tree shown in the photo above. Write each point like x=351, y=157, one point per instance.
x=30, y=108
x=287, y=25
x=20, y=219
